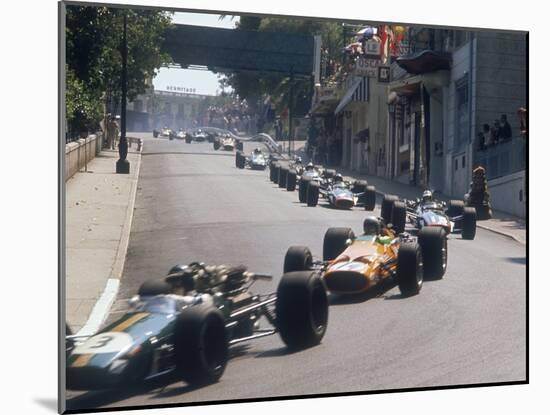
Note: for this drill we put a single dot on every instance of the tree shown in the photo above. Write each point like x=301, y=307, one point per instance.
x=94, y=63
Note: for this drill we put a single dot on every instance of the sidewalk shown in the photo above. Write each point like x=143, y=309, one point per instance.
x=98, y=216
x=501, y=223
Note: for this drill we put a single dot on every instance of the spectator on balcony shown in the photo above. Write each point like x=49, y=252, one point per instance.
x=481, y=142
x=488, y=136
x=496, y=133
x=505, y=130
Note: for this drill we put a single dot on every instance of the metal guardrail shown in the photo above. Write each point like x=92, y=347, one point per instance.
x=503, y=159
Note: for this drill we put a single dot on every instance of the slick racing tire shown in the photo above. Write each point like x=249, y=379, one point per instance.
x=409, y=269
x=456, y=207
x=398, y=216
x=386, y=208
x=301, y=309
x=302, y=189
x=329, y=174
x=433, y=242
x=272, y=171
x=154, y=287
x=469, y=223
x=201, y=344
x=359, y=186
x=335, y=242
x=370, y=198
x=312, y=194
x=283, y=172
x=239, y=160
x=291, y=181
x=217, y=145
x=276, y=168
x=188, y=139
x=239, y=145
x=298, y=258
x=155, y=134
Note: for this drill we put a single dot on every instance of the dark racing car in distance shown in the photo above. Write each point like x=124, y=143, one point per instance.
x=427, y=212
x=257, y=160
x=353, y=265
x=341, y=194
x=186, y=322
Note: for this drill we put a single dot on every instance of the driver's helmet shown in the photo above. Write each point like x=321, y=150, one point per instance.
x=257, y=150
x=427, y=196
x=371, y=226
x=182, y=276
x=199, y=131
x=298, y=159
x=338, y=178
x=309, y=166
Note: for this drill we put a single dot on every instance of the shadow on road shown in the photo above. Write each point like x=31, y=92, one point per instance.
x=375, y=292
x=517, y=260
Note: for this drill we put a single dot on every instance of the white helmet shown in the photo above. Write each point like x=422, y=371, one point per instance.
x=427, y=196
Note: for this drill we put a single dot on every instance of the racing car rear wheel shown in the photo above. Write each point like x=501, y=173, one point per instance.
x=201, y=344
x=301, y=309
x=386, y=208
x=216, y=145
x=359, y=186
x=398, y=216
x=240, y=145
x=469, y=223
x=329, y=173
x=370, y=198
x=241, y=160
x=336, y=241
x=283, y=172
x=302, y=189
x=188, y=139
x=409, y=269
x=433, y=241
x=291, y=181
x=272, y=175
x=154, y=287
x=298, y=258
x=456, y=207
x=312, y=194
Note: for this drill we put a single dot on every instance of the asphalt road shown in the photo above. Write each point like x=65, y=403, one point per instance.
x=193, y=204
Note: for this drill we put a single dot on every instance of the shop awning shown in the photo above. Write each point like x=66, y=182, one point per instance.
x=348, y=96
x=424, y=62
x=411, y=85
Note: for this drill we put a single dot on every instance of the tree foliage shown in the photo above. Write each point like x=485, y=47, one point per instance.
x=253, y=86
x=94, y=62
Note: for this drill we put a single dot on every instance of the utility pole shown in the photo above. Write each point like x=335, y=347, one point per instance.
x=290, y=112
x=122, y=165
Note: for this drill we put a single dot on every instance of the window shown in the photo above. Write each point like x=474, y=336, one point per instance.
x=461, y=101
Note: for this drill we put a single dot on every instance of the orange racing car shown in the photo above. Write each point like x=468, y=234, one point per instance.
x=353, y=265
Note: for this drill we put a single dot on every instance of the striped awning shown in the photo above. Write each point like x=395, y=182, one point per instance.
x=358, y=91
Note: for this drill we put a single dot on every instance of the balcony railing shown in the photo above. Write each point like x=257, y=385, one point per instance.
x=503, y=159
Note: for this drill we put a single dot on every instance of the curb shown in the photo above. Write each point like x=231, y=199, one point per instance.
x=106, y=299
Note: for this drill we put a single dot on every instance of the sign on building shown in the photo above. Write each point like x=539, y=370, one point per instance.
x=384, y=74
x=372, y=49
x=367, y=67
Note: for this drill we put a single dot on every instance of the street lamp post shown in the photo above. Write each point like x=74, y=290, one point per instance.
x=122, y=164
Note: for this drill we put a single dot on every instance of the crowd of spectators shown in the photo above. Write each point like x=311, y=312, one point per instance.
x=499, y=132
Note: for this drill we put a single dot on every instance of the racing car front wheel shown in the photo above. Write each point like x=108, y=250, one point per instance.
x=370, y=198
x=283, y=173
x=301, y=309
x=410, y=274
x=433, y=241
x=398, y=216
x=201, y=344
x=335, y=242
x=312, y=194
x=386, y=208
x=302, y=189
x=298, y=258
x=469, y=223
x=291, y=181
